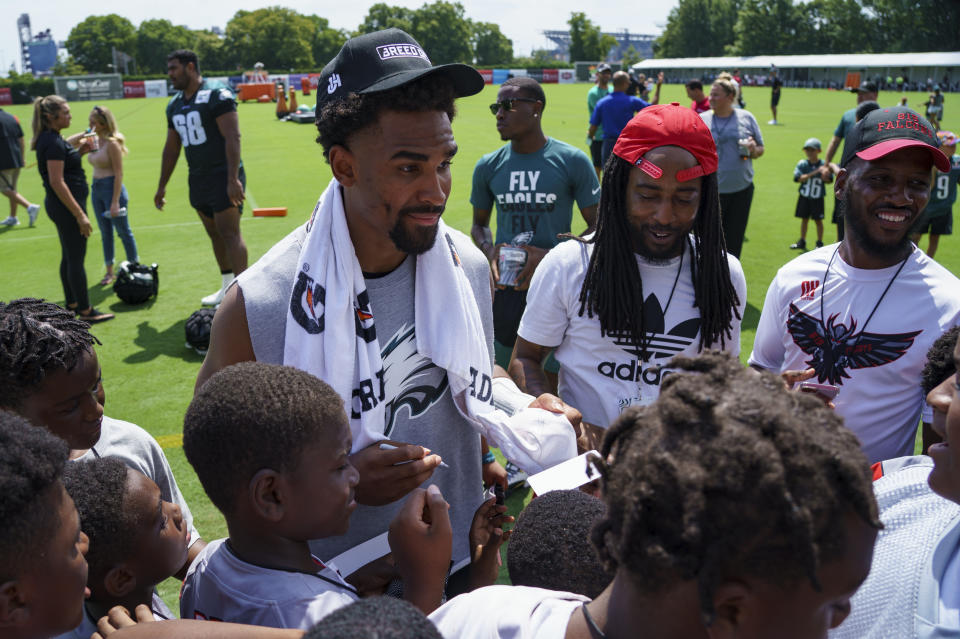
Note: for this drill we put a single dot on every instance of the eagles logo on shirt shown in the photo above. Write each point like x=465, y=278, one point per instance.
x=834, y=347
x=411, y=380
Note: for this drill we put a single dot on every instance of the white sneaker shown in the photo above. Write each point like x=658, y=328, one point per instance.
x=33, y=211
x=10, y=221
x=214, y=299
x=772, y=122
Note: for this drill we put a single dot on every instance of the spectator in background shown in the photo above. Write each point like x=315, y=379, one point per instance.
x=598, y=91
x=11, y=161
x=739, y=142
x=65, y=183
x=614, y=111
x=934, y=106
x=775, y=85
x=701, y=104
x=866, y=92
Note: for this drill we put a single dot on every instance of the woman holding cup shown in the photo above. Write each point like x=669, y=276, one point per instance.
x=65, y=184
x=109, y=196
x=737, y=136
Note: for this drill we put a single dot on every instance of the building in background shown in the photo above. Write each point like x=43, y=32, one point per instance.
x=38, y=52
x=641, y=43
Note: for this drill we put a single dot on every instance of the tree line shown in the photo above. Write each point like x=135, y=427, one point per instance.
x=280, y=38
x=698, y=28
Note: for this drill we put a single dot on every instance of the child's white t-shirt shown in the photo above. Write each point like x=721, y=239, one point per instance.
x=222, y=587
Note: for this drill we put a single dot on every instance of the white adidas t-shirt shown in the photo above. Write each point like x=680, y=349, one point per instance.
x=877, y=367
x=602, y=375
x=222, y=587
x=507, y=612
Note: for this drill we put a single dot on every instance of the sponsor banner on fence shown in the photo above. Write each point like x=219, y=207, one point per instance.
x=500, y=76
x=155, y=88
x=566, y=76
x=134, y=89
x=5, y=96
x=550, y=76
x=107, y=86
x=536, y=74
x=487, y=75
x=517, y=73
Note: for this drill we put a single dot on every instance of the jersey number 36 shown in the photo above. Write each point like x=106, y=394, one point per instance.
x=190, y=128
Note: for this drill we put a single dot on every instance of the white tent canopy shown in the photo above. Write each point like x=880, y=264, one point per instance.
x=938, y=59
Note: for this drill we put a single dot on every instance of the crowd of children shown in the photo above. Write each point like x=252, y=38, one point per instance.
x=721, y=509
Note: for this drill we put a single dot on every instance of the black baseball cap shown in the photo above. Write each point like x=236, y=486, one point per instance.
x=385, y=60
x=883, y=131
x=865, y=87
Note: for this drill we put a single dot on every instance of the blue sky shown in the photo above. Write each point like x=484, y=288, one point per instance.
x=522, y=22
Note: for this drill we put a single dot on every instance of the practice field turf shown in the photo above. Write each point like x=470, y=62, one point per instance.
x=149, y=374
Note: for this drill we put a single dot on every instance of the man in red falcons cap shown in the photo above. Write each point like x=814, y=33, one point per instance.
x=858, y=317
x=654, y=281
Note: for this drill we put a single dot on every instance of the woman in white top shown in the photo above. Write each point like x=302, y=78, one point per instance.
x=109, y=196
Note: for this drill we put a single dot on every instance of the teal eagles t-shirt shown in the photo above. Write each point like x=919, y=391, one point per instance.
x=944, y=191
x=534, y=191
x=593, y=96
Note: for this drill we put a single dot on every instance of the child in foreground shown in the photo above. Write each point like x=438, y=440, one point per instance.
x=270, y=445
x=43, y=575
x=50, y=375
x=811, y=175
x=136, y=538
x=728, y=515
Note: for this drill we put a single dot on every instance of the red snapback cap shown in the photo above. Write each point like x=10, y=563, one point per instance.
x=668, y=125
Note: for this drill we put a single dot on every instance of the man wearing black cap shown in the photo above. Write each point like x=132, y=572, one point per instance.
x=375, y=294
x=866, y=92
x=860, y=316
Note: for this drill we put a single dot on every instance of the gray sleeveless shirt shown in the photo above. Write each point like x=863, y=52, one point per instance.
x=419, y=407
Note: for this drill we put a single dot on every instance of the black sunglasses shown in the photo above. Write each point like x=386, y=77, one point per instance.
x=507, y=104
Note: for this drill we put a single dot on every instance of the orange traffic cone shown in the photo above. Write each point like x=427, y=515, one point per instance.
x=281, y=102
x=293, y=100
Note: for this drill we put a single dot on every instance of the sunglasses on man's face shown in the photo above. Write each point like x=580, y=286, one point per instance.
x=507, y=104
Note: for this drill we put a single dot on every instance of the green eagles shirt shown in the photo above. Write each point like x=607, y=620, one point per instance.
x=535, y=191
x=593, y=96
x=944, y=191
x=813, y=187
x=195, y=120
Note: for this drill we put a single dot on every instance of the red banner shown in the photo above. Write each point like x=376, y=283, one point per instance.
x=487, y=75
x=134, y=89
x=5, y=96
x=551, y=76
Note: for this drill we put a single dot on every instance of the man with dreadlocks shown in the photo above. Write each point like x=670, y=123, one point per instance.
x=727, y=516
x=50, y=375
x=654, y=281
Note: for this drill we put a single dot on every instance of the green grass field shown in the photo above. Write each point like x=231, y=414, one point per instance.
x=149, y=374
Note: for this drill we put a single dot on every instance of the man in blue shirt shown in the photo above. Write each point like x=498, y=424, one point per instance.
x=613, y=112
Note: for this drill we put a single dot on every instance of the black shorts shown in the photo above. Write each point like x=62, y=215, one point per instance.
x=809, y=208
x=774, y=99
x=941, y=224
x=596, y=153
x=208, y=193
